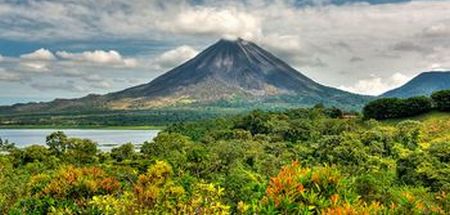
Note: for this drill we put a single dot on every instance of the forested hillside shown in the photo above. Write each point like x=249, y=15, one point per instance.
x=301, y=161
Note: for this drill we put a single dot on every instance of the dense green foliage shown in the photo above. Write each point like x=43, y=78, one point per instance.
x=442, y=100
x=301, y=161
x=389, y=108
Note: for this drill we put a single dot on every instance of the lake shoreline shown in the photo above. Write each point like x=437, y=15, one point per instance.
x=150, y=127
x=105, y=138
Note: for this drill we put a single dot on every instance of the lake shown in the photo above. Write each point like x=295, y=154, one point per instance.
x=106, y=139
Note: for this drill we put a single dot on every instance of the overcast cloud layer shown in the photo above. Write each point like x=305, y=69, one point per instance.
x=69, y=48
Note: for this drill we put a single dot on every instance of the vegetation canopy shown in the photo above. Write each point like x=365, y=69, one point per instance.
x=300, y=161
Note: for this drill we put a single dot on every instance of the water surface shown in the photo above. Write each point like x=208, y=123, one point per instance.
x=106, y=139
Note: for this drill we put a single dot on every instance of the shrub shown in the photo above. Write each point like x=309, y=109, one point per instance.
x=297, y=190
x=409, y=133
x=35, y=153
x=206, y=199
x=428, y=168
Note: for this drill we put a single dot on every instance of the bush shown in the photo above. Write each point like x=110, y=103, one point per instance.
x=441, y=100
x=297, y=190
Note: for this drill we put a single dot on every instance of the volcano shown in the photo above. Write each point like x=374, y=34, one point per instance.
x=227, y=70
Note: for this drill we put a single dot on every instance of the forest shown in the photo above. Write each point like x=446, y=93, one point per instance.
x=298, y=161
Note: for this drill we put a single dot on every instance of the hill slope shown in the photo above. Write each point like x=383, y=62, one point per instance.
x=226, y=71
x=422, y=85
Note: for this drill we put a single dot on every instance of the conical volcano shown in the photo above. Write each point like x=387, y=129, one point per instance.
x=227, y=69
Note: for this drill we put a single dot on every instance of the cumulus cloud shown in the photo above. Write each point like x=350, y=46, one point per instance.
x=228, y=22
x=37, y=61
x=100, y=57
x=377, y=85
x=39, y=55
x=34, y=66
x=175, y=57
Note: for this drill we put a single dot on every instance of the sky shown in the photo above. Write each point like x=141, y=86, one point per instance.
x=70, y=48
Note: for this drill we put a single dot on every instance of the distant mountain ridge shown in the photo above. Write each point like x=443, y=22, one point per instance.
x=226, y=71
x=422, y=85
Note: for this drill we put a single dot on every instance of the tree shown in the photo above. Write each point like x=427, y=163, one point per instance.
x=388, y=108
x=123, y=152
x=81, y=151
x=257, y=122
x=334, y=112
x=6, y=146
x=170, y=147
x=415, y=105
x=35, y=153
x=442, y=100
x=385, y=108
x=57, y=142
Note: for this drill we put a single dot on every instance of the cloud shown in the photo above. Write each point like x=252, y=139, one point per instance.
x=99, y=57
x=39, y=55
x=229, y=22
x=69, y=86
x=174, y=57
x=356, y=59
x=37, y=61
x=408, y=46
x=92, y=78
x=439, y=68
x=376, y=85
x=9, y=76
x=437, y=30
x=34, y=66
x=101, y=85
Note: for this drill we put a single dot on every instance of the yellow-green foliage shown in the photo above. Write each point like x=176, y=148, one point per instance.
x=77, y=183
x=304, y=190
x=155, y=192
